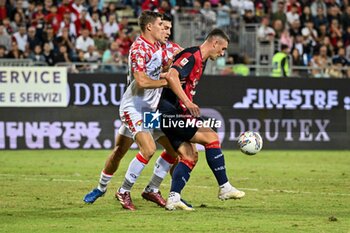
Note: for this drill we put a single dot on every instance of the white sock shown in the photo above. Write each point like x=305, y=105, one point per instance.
x=226, y=187
x=174, y=196
x=136, y=166
x=103, y=182
x=161, y=169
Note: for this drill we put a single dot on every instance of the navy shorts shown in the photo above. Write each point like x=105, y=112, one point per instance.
x=173, y=124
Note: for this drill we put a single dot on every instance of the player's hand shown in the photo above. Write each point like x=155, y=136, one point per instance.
x=193, y=108
x=163, y=75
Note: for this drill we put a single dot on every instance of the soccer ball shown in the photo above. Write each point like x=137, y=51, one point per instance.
x=250, y=142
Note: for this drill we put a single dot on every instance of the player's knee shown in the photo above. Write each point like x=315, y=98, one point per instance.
x=212, y=137
x=148, y=152
x=189, y=161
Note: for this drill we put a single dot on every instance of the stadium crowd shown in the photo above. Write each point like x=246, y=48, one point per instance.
x=317, y=32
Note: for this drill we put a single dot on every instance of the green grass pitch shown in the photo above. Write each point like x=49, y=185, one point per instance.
x=286, y=191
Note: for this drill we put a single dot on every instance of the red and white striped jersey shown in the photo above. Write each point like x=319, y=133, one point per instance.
x=148, y=58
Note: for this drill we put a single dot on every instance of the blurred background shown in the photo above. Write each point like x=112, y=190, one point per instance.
x=92, y=35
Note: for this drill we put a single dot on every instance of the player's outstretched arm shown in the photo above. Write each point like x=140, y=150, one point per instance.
x=144, y=82
x=174, y=84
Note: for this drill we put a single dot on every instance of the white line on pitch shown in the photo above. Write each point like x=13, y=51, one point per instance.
x=50, y=179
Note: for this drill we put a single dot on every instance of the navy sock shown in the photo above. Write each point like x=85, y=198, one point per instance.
x=180, y=177
x=216, y=162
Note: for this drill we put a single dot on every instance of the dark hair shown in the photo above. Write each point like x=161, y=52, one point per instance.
x=167, y=17
x=284, y=46
x=216, y=32
x=147, y=17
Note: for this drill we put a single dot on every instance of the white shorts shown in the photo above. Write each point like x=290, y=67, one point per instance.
x=133, y=123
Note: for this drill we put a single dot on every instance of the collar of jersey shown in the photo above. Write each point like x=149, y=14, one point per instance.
x=144, y=39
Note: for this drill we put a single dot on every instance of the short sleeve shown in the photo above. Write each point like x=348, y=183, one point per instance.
x=138, y=60
x=184, y=64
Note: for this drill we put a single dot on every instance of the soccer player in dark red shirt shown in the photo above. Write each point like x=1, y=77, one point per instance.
x=176, y=103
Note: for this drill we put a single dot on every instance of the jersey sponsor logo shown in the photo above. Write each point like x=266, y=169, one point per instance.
x=183, y=62
x=139, y=61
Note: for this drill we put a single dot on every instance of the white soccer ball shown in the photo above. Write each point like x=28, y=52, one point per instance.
x=250, y=142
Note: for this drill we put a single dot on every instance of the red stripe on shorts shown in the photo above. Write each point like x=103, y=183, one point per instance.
x=129, y=122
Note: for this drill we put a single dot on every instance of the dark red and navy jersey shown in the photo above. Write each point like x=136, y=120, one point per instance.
x=190, y=65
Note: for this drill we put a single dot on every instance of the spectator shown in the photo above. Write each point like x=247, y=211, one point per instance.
x=124, y=24
x=95, y=22
x=223, y=16
x=2, y=51
x=149, y=5
x=21, y=37
x=112, y=55
x=208, y=13
x=335, y=32
x=53, y=18
x=36, y=55
x=334, y=13
x=319, y=62
x=17, y=22
x=38, y=16
x=111, y=27
x=78, y=7
x=293, y=15
x=8, y=25
x=305, y=50
x=295, y=29
x=265, y=32
x=317, y=7
x=66, y=40
x=287, y=39
x=278, y=27
x=124, y=41
x=320, y=18
x=66, y=7
x=327, y=42
x=280, y=14
x=33, y=40
x=101, y=41
x=296, y=61
x=82, y=23
x=84, y=41
x=309, y=33
x=49, y=37
x=93, y=8
x=5, y=39
x=3, y=10
x=249, y=17
x=15, y=52
x=18, y=10
x=196, y=9
x=346, y=37
x=48, y=6
x=322, y=33
x=341, y=58
x=62, y=56
x=81, y=67
x=67, y=23
x=165, y=7
x=30, y=11
x=294, y=4
x=306, y=16
x=345, y=18
x=92, y=55
x=260, y=9
x=48, y=54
